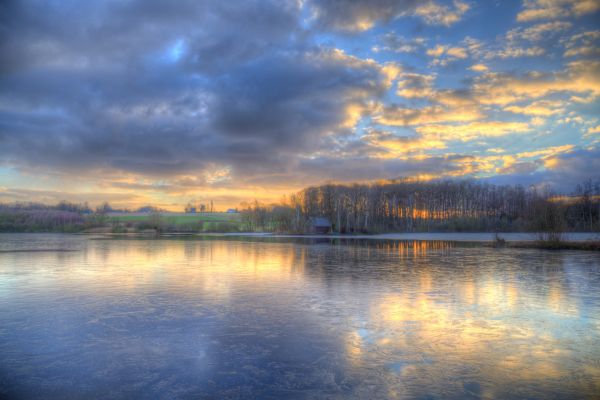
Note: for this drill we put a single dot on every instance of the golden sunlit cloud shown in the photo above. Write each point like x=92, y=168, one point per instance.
x=501, y=89
x=543, y=108
x=473, y=130
x=593, y=131
x=443, y=55
x=547, y=152
x=553, y=9
x=479, y=68
x=428, y=115
x=436, y=14
x=395, y=146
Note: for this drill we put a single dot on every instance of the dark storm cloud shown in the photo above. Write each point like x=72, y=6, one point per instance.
x=124, y=31
x=163, y=88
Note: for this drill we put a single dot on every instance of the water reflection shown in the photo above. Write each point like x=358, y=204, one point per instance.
x=334, y=319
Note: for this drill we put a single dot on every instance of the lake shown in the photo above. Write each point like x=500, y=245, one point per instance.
x=88, y=317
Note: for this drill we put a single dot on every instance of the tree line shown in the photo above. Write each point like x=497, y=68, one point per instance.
x=446, y=205
x=390, y=206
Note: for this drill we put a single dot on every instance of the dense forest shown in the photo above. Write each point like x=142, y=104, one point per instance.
x=449, y=205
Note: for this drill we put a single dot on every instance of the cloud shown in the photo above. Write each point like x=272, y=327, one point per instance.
x=235, y=98
x=470, y=114
x=537, y=32
x=516, y=52
x=559, y=166
x=385, y=145
x=159, y=90
x=400, y=44
x=523, y=167
x=436, y=51
x=583, y=44
x=361, y=168
x=547, y=152
x=479, y=68
x=542, y=108
x=356, y=16
x=55, y=196
x=436, y=14
x=442, y=55
x=473, y=130
x=554, y=9
x=413, y=85
x=579, y=77
x=362, y=15
x=103, y=34
x=532, y=41
x=592, y=131
x=562, y=172
x=457, y=52
x=394, y=115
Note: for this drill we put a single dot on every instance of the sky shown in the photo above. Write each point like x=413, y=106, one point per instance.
x=166, y=102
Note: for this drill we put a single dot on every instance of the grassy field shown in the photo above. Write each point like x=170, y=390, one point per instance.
x=180, y=218
x=197, y=222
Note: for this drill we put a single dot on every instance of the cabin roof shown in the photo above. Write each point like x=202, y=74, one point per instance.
x=320, y=222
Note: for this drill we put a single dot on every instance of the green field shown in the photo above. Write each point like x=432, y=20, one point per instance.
x=179, y=219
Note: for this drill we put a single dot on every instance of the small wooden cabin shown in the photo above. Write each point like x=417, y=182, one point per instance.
x=319, y=225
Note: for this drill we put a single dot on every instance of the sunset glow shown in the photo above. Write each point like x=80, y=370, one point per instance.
x=165, y=103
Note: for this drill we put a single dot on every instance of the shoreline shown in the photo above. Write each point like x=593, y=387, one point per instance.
x=589, y=241
x=474, y=237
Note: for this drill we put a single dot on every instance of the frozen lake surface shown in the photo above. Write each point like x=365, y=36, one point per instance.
x=288, y=318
